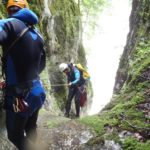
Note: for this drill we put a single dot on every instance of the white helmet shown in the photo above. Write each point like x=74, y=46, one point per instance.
x=63, y=66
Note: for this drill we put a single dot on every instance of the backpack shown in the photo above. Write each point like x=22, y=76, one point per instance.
x=83, y=98
x=86, y=75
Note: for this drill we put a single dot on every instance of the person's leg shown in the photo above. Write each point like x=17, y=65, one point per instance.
x=31, y=126
x=15, y=125
x=69, y=100
x=10, y=118
x=77, y=102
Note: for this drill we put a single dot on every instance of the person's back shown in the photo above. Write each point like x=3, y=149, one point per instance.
x=22, y=60
x=75, y=76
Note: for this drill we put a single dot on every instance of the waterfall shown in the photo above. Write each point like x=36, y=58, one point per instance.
x=106, y=48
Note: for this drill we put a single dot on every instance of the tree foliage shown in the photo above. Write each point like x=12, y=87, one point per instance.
x=90, y=9
x=93, y=6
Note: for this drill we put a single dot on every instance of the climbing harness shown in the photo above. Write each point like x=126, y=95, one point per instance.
x=20, y=105
x=15, y=106
x=17, y=39
x=2, y=91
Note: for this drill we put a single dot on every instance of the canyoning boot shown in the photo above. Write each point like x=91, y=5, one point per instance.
x=77, y=116
x=66, y=115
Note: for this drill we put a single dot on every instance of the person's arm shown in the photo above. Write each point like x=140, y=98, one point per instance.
x=77, y=76
x=3, y=31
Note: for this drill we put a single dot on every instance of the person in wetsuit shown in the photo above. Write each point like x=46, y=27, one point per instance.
x=22, y=62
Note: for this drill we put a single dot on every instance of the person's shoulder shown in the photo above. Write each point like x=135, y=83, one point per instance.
x=4, y=22
x=76, y=69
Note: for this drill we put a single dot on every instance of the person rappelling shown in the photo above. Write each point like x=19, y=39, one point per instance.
x=76, y=85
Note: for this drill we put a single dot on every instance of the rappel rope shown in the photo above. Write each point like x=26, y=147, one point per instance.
x=54, y=85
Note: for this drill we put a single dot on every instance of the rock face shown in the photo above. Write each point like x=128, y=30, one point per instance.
x=130, y=102
x=134, y=58
x=132, y=79
x=66, y=134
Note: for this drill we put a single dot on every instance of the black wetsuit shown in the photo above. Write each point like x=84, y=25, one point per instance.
x=22, y=64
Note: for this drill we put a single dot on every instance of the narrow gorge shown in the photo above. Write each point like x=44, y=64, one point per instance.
x=124, y=123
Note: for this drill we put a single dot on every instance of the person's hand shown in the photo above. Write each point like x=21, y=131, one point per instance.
x=69, y=84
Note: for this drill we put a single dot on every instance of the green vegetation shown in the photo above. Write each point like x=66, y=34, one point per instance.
x=100, y=124
x=3, y=11
x=33, y=6
x=139, y=61
x=133, y=144
x=90, y=10
x=67, y=16
x=121, y=114
x=95, y=122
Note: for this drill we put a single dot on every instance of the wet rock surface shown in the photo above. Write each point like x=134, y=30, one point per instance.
x=4, y=142
x=60, y=133
x=108, y=145
x=69, y=134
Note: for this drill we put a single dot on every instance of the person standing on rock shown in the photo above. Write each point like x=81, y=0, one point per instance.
x=23, y=60
x=75, y=84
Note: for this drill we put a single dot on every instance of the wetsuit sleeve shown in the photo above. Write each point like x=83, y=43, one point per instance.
x=3, y=32
x=77, y=76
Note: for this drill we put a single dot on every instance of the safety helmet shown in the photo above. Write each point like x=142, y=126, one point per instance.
x=19, y=3
x=63, y=66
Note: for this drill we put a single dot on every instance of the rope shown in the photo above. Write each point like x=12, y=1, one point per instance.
x=53, y=85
